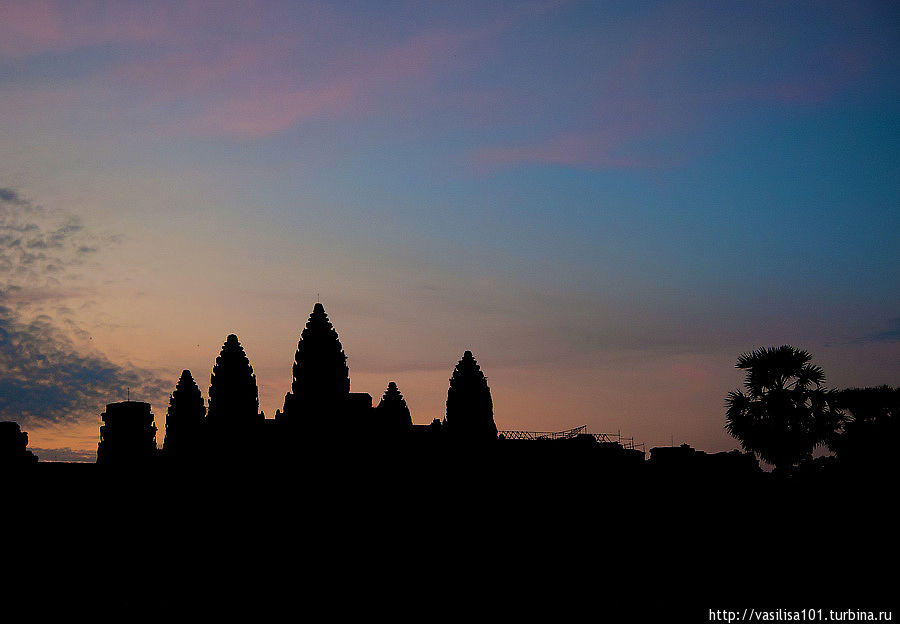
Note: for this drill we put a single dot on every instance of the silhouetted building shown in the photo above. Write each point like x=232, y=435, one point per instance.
x=614, y=452
x=392, y=414
x=233, y=421
x=684, y=460
x=427, y=433
x=233, y=394
x=184, y=419
x=731, y=463
x=320, y=400
x=322, y=418
x=14, y=446
x=543, y=457
x=673, y=456
x=128, y=435
x=470, y=410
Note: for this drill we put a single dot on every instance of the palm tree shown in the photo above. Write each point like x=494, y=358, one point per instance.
x=787, y=411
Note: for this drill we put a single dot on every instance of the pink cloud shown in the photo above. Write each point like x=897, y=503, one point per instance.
x=225, y=72
x=677, y=74
x=838, y=69
x=578, y=150
x=270, y=102
x=419, y=55
x=264, y=114
x=38, y=26
x=46, y=25
x=193, y=71
x=682, y=39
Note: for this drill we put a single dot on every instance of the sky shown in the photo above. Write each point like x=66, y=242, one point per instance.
x=606, y=202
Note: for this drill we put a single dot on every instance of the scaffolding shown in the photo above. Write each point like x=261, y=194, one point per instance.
x=615, y=438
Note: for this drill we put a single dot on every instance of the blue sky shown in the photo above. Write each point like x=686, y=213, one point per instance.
x=595, y=198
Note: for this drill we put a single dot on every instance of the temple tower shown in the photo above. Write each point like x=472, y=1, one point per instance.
x=184, y=419
x=234, y=424
x=233, y=394
x=320, y=397
x=128, y=435
x=392, y=415
x=470, y=410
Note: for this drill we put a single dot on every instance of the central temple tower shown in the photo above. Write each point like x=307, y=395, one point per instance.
x=320, y=396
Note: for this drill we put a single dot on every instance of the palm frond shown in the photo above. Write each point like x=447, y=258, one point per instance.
x=808, y=375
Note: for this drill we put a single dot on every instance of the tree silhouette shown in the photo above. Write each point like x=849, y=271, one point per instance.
x=470, y=410
x=868, y=435
x=392, y=412
x=787, y=410
x=184, y=419
x=321, y=377
x=233, y=395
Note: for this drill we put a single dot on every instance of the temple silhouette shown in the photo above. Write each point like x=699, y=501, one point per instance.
x=14, y=446
x=322, y=421
x=128, y=435
x=320, y=413
x=320, y=405
x=334, y=481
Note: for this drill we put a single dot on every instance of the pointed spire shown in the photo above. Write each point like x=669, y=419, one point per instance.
x=392, y=412
x=320, y=365
x=470, y=410
x=233, y=394
x=187, y=398
x=185, y=417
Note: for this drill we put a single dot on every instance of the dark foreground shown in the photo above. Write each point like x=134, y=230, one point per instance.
x=454, y=537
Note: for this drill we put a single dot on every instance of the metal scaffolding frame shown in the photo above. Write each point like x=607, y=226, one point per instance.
x=617, y=438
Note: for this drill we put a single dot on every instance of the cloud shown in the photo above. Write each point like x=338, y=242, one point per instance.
x=10, y=196
x=64, y=454
x=280, y=63
x=592, y=151
x=45, y=377
x=41, y=26
x=35, y=243
x=685, y=69
x=889, y=335
x=58, y=26
x=264, y=114
x=267, y=94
